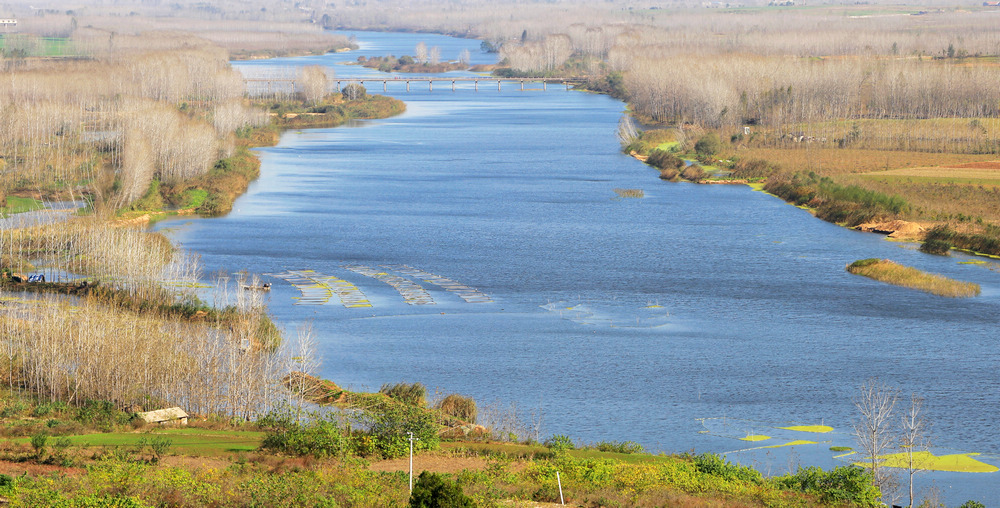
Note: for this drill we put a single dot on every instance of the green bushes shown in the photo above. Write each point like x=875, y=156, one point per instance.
x=413, y=394
x=432, y=490
x=318, y=436
x=986, y=242
x=844, y=484
x=709, y=144
x=463, y=408
x=861, y=263
x=712, y=464
x=626, y=447
x=662, y=160
x=560, y=442
x=381, y=430
x=388, y=426
x=847, y=204
x=754, y=169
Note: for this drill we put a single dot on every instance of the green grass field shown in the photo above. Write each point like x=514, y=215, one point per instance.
x=37, y=46
x=20, y=205
x=184, y=441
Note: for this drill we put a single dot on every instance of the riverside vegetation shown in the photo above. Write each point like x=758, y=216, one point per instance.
x=94, y=454
x=886, y=271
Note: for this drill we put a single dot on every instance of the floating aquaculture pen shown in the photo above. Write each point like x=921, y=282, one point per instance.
x=412, y=293
x=464, y=292
x=317, y=289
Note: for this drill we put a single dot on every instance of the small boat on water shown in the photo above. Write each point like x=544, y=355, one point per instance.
x=263, y=287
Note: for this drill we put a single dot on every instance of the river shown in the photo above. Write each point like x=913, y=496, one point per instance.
x=684, y=320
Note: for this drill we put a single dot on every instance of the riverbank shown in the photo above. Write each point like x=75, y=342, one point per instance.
x=213, y=194
x=838, y=186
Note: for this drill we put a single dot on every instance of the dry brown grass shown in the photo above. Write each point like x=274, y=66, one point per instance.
x=892, y=273
x=835, y=161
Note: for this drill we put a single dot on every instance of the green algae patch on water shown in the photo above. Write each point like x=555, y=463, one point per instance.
x=797, y=442
x=884, y=270
x=822, y=429
x=755, y=437
x=956, y=463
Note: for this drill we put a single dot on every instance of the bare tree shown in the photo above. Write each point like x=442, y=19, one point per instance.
x=313, y=82
x=434, y=55
x=421, y=52
x=873, y=431
x=464, y=57
x=914, y=439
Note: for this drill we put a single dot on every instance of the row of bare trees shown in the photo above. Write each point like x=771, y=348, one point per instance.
x=79, y=351
x=165, y=112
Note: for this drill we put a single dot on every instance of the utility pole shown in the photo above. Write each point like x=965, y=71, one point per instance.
x=411, y=461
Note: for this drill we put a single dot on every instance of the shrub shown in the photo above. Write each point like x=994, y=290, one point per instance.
x=972, y=504
x=694, y=173
x=436, y=491
x=709, y=144
x=38, y=442
x=388, y=425
x=754, y=168
x=839, y=485
x=619, y=447
x=936, y=247
x=413, y=394
x=668, y=174
x=560, y=442
x=316, y=436
x=463, y=408
x=712, y=464
x=662, y=159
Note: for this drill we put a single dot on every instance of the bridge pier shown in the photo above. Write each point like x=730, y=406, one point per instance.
x=543, y=85
x=477, y=85
x=338, y=85
x=407, y=85
x=522, y=85
x=453, y=85
x=430, y=85
x=384, y=85
x=498, y=85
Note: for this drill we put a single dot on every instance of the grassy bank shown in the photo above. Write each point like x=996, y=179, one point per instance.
x=95, y=455
x=884, y=270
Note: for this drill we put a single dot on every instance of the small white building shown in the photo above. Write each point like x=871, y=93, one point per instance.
x=168, y=416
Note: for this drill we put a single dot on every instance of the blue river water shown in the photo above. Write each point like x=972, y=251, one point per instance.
x=684, y=320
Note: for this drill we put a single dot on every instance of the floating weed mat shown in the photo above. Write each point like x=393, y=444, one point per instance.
x=777, y=435
x=411, y=292
x=956, y=462
x=649, y=316
x=317, y=289
x=470, y=295
x=630, y=193
x=990, y=265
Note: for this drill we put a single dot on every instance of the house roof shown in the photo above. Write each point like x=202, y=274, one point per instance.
x=163, y=415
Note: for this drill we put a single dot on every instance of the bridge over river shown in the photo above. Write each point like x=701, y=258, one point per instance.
x=271, y=86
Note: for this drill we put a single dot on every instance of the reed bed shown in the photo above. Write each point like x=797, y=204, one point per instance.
x=884, y=270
